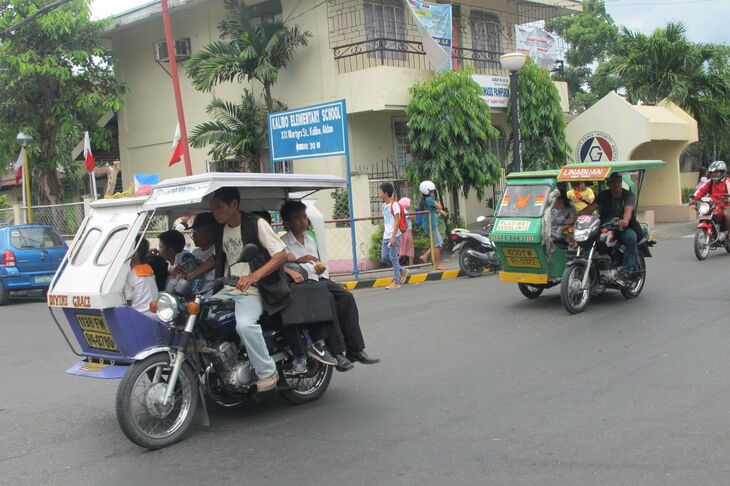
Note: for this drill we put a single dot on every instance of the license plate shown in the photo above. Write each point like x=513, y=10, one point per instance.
x=96, y=332
x=521, y=257
x=42, y=279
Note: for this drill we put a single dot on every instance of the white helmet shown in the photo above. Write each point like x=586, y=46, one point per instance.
x=426, y=186
x=717, y=166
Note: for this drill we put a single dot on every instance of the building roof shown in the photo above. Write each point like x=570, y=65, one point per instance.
x=146, y=12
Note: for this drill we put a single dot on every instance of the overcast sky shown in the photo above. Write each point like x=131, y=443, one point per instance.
x=705, y=19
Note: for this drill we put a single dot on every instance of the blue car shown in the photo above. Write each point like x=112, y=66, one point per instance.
x=29, y=257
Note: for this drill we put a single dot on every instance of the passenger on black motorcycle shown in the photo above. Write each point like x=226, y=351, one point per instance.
x=718, y=188
x=617, y=202
x=251, y=299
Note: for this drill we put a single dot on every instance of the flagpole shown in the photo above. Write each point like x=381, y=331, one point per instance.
x=22, y=186
x=176, y=85
x=93, y=184
x=26, y=183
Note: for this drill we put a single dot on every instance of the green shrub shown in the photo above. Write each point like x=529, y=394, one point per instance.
x=687, y=192
x=376, y=243
x=342, y=207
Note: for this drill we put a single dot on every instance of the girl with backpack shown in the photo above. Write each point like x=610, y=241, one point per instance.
x=429, y=203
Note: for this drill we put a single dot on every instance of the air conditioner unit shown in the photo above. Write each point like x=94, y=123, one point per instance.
x=182, y=50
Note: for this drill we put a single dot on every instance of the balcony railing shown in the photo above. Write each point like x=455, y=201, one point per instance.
x=407, y=54
x=410, y=54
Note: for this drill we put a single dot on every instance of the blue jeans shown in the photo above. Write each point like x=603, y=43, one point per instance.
x=628, y=238
x=389, y=254
x=248, y=310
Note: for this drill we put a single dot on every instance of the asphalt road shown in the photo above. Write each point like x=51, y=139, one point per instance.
x=478, y=385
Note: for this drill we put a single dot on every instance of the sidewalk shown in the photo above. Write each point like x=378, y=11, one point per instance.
x=418, y=274
x=425, y=273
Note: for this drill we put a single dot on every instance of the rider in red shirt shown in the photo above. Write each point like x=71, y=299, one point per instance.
x=718, y=188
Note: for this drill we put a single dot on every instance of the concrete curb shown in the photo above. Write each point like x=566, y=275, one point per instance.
x=415, y=278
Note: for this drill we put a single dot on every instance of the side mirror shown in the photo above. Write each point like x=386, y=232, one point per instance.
x=249, y=252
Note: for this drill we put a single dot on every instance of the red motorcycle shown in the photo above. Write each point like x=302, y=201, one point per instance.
x=711, y=233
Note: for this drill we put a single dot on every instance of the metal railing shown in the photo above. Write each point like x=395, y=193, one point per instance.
x=410, y=54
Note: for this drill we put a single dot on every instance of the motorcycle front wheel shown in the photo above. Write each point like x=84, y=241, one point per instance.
x=468, y=265
x=574, y=298
x=308, y=387
x=702, y=244
x=144, y=419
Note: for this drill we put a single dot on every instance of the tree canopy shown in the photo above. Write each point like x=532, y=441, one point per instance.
x=248, y=50
x=56, y=81
x=647, y=68
x=449, y=128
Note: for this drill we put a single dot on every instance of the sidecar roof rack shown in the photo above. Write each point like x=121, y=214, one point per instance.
x=256, y=189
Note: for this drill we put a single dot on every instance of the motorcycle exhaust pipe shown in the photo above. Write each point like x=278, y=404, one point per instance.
x=477, y=255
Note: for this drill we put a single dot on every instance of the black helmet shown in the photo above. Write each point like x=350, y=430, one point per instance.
x=717, y=166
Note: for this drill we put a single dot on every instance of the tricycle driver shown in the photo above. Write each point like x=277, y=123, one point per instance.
x=251, y=300
x=617, y=202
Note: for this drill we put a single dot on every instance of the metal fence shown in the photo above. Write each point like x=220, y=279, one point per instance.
x=369, y=233
x=66, y=218
x=7, y=217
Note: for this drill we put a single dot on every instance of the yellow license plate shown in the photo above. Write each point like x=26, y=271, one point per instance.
x=96, y=332
x=521, y=257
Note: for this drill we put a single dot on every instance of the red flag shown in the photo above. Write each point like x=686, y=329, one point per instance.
x=19, y=166
x=177, y=148
x=87, y=153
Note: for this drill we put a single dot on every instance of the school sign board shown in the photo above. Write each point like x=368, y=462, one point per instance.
x=312, y=131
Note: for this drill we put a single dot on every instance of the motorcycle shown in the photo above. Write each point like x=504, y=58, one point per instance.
x=203, y=356
x=474, y=249
x=711, y=233
x=598, y=260
x=186, y=350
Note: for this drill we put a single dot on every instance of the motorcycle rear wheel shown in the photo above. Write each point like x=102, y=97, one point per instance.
x=701, y=244
x=310, y=386
x=637, y=284
x=574, y=299
x=468, y=265
x=142, y=418
x=530, y=291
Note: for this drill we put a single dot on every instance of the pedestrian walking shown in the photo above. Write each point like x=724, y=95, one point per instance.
x=429, y=203
x=391, y=235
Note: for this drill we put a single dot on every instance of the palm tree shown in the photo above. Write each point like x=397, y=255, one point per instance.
x=247, y=50
x=666, y=64
x=236, y=131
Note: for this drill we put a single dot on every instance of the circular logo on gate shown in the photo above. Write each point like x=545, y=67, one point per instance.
x=596, y=147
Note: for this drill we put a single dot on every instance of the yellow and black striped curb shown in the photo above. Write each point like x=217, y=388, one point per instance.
x=415, y=278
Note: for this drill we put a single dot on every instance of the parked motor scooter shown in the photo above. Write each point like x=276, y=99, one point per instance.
x=474, y=249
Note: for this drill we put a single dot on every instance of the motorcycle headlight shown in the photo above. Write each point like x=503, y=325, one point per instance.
x=582, y=235
x=704, y=208
x=167, y=308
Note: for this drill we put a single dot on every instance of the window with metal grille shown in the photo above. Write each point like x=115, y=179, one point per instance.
x=402, y=147
x=384, y=28
x=266, y=11
x=485, y=40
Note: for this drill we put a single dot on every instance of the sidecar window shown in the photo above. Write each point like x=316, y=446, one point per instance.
x=523, y=201
x=111, y=247
x=87, y=246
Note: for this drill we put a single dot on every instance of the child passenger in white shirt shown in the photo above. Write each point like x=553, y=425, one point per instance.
x=140, y=287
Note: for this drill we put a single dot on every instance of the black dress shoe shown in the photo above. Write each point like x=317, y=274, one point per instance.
x=362, y=357
x=343, y=364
